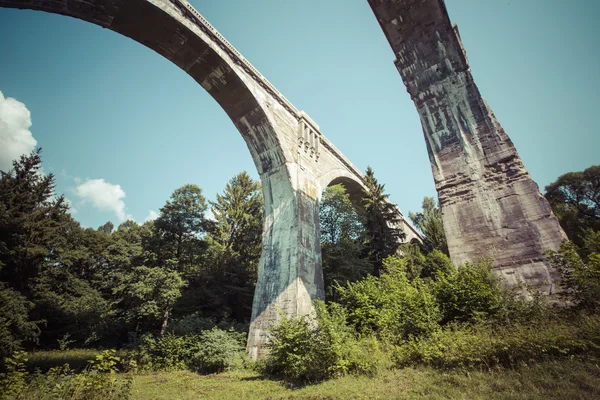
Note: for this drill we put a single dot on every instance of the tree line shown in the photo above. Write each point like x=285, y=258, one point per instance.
x=64, y=285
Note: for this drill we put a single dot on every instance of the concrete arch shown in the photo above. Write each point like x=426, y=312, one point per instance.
x=289, y=269
x=165, y=27
x=295, y=161
x=352, y=183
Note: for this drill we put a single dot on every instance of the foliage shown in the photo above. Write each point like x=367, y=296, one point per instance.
x=470, y=293
x=70, y=305
x=165, y=353
x=225, y=284
x=338, y=217
x=487, y=345
x=430, y=223
x=575, y=199
x=413, y=258
x=179, y=226
x=342, y=236
x=392, y=307
x=436, y=265
x=306, y=351
x=98, y=381
x=194, y=324
x=217, y=350
x=210, y=351
x=382, y=221
x=15, y=326
x=149, y=294
x=580, y=276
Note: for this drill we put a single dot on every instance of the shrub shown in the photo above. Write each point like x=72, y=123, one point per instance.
x=436, y=264
x=217, y=350
x=166, y=353
x=580, y=276
x=486, y=345
x=302, y=350
x=98, y=381
x=471, y=292
x=392, y=307
x=210, y=351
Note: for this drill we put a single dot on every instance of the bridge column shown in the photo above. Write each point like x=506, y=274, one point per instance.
x=491, y=207
x=290, y=275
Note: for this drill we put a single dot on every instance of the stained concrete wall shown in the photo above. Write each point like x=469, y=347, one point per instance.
x=294, y=160
x=490, y=205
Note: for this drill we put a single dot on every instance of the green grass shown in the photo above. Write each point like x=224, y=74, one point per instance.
x=44, y=360
x=566, y=379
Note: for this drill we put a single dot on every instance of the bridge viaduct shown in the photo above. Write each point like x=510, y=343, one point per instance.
x=490, y=204
x=295, y=161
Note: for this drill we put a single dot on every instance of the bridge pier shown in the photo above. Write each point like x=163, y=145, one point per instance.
x=490, y=205
x=290, y=274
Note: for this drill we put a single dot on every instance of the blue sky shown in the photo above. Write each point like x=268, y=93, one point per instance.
x=108, y=111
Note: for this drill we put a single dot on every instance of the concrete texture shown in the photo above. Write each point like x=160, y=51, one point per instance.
x=490, y=205
x=294, y=160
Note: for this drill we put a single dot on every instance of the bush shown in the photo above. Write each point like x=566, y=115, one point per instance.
x=217, y=350
x=392, y=307
x=580, y=276
x=471, y=292
x=209, y=352
x=436, y=264
x=97, y=381
x=304, y=351
x=485, y=345
x=166, y=353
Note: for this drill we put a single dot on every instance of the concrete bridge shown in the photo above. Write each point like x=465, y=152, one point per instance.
x=295, y=161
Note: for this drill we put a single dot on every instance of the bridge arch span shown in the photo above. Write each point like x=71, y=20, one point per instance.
x=351, y=183
x=289, y=151
x=166, y=26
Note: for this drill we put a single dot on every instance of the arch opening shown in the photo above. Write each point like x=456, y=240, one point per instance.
x=343, y=235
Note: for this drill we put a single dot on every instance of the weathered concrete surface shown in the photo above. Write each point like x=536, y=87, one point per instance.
x=491, y=207
x=294, y=160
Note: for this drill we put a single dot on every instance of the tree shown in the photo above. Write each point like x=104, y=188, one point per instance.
x=430, y=223
x=575, y=200
x=342, y=237
x=382, y=221
x=15, y=324
x=148, y=295
x=31, y=219
x=580, y=274
x=230, y=264
x=179, y=226
x=338, y=217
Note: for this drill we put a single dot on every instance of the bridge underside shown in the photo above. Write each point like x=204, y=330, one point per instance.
x=490, y=205
x=294, y=160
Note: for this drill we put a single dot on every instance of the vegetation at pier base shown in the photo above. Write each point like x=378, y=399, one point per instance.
x=149, y=310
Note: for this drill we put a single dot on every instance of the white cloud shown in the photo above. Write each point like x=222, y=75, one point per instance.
x=152, y=215
x=15, y=137
x=103, y=196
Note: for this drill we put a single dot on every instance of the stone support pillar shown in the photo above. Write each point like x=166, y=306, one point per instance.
x=491, y=207
x=290, y=275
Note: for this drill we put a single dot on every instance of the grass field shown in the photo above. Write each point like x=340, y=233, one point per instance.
x=568, y=379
